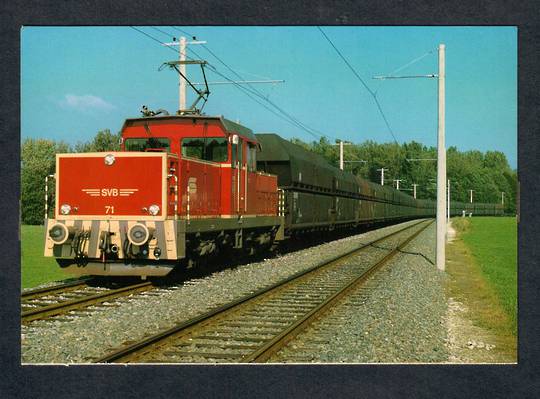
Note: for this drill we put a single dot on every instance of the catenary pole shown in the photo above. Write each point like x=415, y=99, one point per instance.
x=448, y=203
x=414, y=190
x=382, y=176
x=341, y=143
x=182, y=48
x=341, y=154
x=441, y=166
x=182, y=66
x=441, y=156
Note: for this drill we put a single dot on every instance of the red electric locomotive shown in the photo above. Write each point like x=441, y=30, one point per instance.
x=182, y=187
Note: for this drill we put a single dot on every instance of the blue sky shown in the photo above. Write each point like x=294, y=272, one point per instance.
x=76, y=81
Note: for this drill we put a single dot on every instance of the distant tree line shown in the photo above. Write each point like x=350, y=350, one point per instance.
x=488, y=174
x=38, y=158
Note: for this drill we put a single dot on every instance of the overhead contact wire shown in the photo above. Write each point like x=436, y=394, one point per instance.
x=257, y=93
x=412, y=62
x=371, y=92
x=285, y=116
x=291, y=119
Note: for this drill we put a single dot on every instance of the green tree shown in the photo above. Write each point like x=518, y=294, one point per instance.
x=38, y=158
x=487, y=174
x=103, y=141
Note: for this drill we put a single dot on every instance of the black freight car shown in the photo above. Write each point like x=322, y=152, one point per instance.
x=318, y=196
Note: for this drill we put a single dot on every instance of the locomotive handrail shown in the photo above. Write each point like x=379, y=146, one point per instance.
x=187, y=202
x=175, y=195
x=47, y=194
x=281, y=202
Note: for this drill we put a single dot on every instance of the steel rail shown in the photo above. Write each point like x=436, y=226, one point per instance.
x=224, y=310
x=273, y=346
x=38, y=292
x=65, y=306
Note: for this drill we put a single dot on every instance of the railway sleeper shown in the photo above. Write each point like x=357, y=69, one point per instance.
x=202, y=355
x=235, y=339
x=257, y=323
x=233, y=334
x=227, y=346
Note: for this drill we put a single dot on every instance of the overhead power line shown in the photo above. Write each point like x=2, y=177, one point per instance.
x=371, y=92
x=183, y=31
x=346, y=62
x=408, y=64
x=250, y=89
x=251, y=92
x=149, y=36
x=160, y=42
x=283, y=114
x=162, y=31
x=291, y=119
x=315, y=133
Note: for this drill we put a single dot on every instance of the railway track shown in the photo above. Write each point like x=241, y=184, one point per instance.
x=255, y=327
x=59, y=299
x=42, y=292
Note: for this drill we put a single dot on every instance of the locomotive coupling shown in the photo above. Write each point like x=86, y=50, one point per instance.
x=60, y=233
x=105, y=243
x=139, y=234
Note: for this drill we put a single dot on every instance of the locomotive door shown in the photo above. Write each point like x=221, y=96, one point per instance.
x=239, y=176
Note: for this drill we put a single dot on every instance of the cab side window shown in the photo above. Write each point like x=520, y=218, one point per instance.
x=193, y=148
x=216, y=149
x=209, y=149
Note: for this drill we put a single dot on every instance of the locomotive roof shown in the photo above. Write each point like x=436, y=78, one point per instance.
x=230, y=126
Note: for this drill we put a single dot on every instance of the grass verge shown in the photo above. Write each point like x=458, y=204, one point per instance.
x=35, y=268
x=483, y=277
x=493, y=243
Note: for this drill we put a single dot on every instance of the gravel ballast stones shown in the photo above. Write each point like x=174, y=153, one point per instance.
x=398, y=317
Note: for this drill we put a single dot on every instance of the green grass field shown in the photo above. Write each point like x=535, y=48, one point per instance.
x=493, y=242
x=35, y=268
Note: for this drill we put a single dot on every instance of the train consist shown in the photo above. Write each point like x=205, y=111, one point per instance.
x=186, y=187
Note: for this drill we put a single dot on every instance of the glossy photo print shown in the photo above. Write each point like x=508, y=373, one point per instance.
x=278, y=195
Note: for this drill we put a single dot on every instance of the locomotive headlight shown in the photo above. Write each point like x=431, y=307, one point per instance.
x=60, y=233
x=139, y=234
x=109, y=159
x=65, y=209
x=153, y=210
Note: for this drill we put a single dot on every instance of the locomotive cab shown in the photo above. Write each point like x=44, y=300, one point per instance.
x=217, y=163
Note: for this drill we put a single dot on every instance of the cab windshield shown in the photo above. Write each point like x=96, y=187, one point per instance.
x=148, y=144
